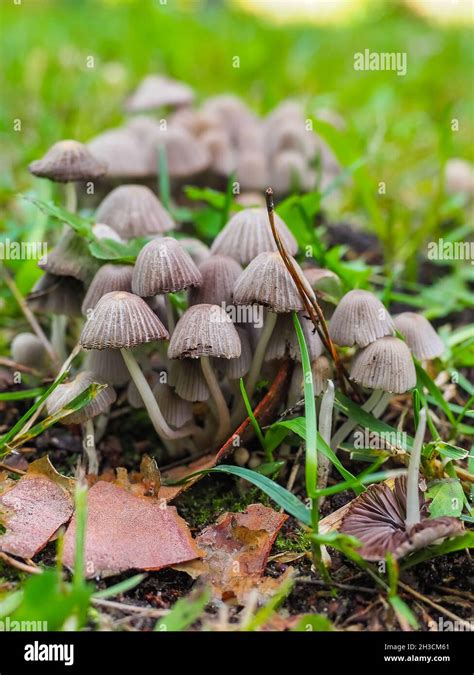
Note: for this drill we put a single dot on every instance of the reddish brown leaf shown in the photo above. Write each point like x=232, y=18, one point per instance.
x=237, y=549
x=126, y=531
x=34, y=509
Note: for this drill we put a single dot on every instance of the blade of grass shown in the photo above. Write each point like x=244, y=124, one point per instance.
x=255, y=424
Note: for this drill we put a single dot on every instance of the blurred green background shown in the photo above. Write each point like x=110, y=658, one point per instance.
x=399, y=127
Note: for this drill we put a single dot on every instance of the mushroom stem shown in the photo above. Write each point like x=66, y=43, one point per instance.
x=344, y=431
x=413, y=499
x=223, y=415
x=381, y=405
x=325, y=428
x=169, y=315
x=258, y=357
x=58, y=335
x=156, y=416
x=71, y=197
x=88, y=443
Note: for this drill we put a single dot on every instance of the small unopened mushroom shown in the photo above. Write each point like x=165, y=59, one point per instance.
x=202, y=332
x=395, y=521
x=419, y=335
x=134, y=211
x=67, y=392
x=157, y=91
x=359, y=319
x=248, y=233
x=163, y=266
x=267, y=282
x=67, y=162
x=108, y=278
x=123, y=321
x=219, y=274
x=28, y=350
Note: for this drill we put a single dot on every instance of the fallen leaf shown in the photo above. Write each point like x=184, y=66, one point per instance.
x=34, y=509
x=237, y=547
x=127, y=531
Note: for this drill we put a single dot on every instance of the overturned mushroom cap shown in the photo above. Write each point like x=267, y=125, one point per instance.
x=359, y=319
x=121, y=152
x=65, y=393
x=266, y=281
x=164, y=266
x=284, y=342
x=134, y=211
x=219, y=274
x=234, y=369
x=108, y=278
x=155, y=91
x=187, y=379
x=176, y=410
x=252, y=170
x=185, y=155
x=71, y=258
x=108, y=366
x=385, y=364
x=248, y=233
x=27, y=349
x=68, y=161
x=420, y=335
x=121, y=320
x=377, y=519
x=57, y=295
x=204, y=330
x=102, y=231
x=198, y=251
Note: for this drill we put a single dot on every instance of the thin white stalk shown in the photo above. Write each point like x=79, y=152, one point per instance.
x=413, y=499
x=58, y=335
x=382, y=405
x=71, y=197
x=156, y=416
x=169, y=315
x=101, y=425
x=223, y=416
x=325, y=428
x=343, y=432
x=88, y=443
x=260, y=350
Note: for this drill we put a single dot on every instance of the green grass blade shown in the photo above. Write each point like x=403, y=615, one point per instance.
x=253, y=419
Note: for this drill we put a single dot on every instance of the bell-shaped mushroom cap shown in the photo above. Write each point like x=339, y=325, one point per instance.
x=57, y=295
x=250, y=200
x=176, y=410
x=198, y=251
x=187, y=379
x=322, y=372
x=248, y=233
x=377, y=519
x=252, y=170
x=65, y=393
x=284, y=342
x=290, y=172
x=121, y=152
x=292, y=136
x=121, y=320
x=134, y=211
x=267, y=282
x=217, y=142
x=219, y=274
x=231, y=112
x=164, y=266
x=27, y=349
x=185, y=154
x=197, y=122
x=108, y=278
x=385, y=364
x=102, y=231
x=156, y=91
x=234, y=369
x=359, y=319
x=71, y=258
x=419, y=335
x=107, y=365
x=323, y=280
x=68, y=161
x=204, y=330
